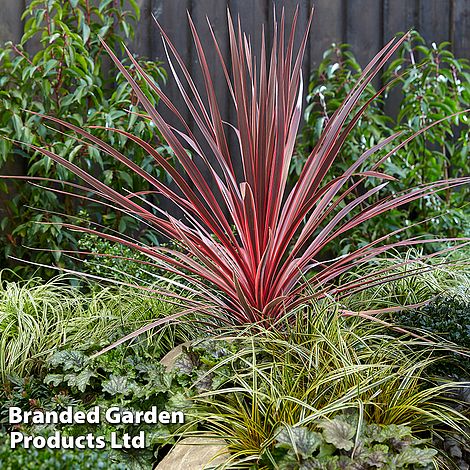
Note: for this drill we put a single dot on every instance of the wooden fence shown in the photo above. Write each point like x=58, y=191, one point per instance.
x=365, y=24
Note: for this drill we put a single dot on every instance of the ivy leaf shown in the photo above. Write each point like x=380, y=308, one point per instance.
x=339, y=433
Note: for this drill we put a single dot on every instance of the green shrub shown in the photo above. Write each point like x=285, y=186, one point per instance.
x=449, y=318
x=434, y=84
x=444, y=316
x=71, y=78
x=115, y=261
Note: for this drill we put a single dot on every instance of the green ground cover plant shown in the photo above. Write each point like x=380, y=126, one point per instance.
x=130, y=377
x=252, y=390
x=48, y=459
x=344, y=442
x=61, y=69
x=430, y=83
x=247, y=387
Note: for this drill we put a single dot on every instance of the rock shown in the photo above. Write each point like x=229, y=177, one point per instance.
x=169, y=359
x=195, y=453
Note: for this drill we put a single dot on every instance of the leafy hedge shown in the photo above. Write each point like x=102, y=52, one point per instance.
x=430, y=84
x=71, y=78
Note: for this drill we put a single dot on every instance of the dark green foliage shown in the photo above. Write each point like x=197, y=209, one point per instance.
x=343, y=443
x=53, y=459
x=69, y=77
x=434, y=85
x=449, y=317
x=328, y=87
x=196, y=364
x=116, y=261
x=130, y=377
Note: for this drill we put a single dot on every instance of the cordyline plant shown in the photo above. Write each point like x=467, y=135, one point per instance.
x=248, y=245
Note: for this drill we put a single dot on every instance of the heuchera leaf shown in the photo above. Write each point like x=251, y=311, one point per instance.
x=117, y=384
x=303, y=441
x=69, y=360
x=80, y=380
x=380, y=433
x=339, y=433
x=413, y=455
x=54, y=379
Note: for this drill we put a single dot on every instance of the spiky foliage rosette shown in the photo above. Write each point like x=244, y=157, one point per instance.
x=248, y=242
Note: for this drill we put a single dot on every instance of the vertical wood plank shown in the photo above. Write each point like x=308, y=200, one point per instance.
x=216, y=13
x=289, y=11
x=11, y=26
x=364, y=28
x=399, y=16
x=328, y=27
x=461, y=28
x=172, y=17
x=144, y=30
x=302, y=21
x=254, y=15
x=434, y=20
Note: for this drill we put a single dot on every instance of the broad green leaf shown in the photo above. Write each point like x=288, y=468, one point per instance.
x=302, y=441
x=80, y=380
x=86, y=32
x=54, y=379
x=117, y=384
x=69, y=360
x=339, y=433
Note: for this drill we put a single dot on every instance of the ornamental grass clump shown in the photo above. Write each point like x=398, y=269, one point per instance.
x=327, y=368
x=37, y=319
x=248, y=244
